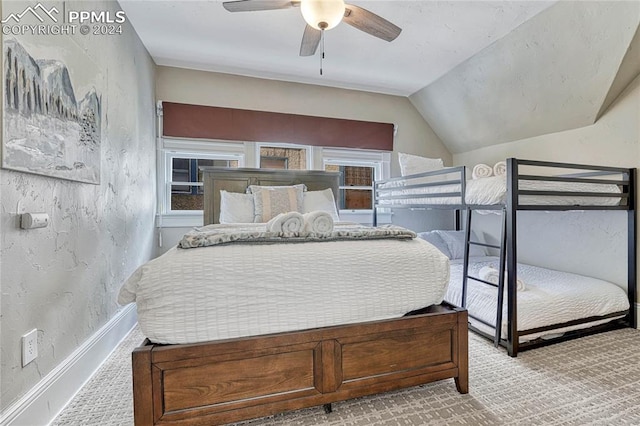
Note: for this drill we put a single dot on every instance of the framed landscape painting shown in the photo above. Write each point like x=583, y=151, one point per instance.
x=52, y=110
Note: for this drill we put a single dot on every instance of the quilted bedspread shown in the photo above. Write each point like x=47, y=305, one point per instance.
x=226, y=291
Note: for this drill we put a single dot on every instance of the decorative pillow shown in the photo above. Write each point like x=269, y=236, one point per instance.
x=270, y=201
x=455, y=244
x=435, y=240
x=322, y=201
x=414, y=164
x=252, y=188
x=236, y=207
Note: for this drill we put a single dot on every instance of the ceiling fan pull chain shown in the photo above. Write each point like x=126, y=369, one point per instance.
x=322, y=55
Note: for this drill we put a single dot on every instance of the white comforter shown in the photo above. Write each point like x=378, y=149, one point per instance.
x=226, y=291
x=551, y=297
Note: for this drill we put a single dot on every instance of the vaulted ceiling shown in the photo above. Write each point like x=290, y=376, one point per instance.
x=479, y=72
x=560, y=70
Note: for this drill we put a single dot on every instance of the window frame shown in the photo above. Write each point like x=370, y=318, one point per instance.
x=258, y=145
x=188, y=149
x=185, y=155
x=249, y=153
x=380, y=161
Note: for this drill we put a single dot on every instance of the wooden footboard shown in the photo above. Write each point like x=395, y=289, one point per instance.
x=231, y=380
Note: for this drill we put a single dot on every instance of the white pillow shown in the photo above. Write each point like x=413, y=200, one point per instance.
x=236, y=207
x=455, y=244
x=322, y=201
x=436, y=240
x=414, y=164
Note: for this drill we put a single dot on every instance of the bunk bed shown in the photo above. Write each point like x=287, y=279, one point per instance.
x=526, y=185
x=212, y=355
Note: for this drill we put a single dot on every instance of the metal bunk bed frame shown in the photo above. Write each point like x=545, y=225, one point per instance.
x=507, y=247
x=448, y=176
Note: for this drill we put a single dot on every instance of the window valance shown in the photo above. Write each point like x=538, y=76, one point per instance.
x=208, y=122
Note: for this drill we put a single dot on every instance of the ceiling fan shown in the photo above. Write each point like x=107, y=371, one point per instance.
x=322, y=15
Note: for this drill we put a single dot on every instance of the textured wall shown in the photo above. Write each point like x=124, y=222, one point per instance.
x=550, y=74
x=592, y=243
x=63, y=279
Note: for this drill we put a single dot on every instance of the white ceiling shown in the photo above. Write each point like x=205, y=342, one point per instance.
x=437, y=36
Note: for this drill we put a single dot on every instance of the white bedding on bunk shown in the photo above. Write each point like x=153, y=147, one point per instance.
x=493, y=190
x=226, y=291
x=551, y=297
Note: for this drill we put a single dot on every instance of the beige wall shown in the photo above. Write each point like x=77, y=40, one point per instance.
x=593, y=243
x=207, y=88
x=613, y=140
x=63, y=280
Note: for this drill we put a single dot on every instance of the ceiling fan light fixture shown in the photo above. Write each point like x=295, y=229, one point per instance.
x=322, y=14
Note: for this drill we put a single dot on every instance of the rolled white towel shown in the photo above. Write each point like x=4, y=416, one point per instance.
x=481, y=171
x=318, y=222
x=286, y=222
x=500, y=168
x=491, y=274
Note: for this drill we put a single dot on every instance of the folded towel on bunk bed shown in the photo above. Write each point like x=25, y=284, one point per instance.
x=491, y=274
x=500, y=168
x=481, y=171
x=286, y=222
x=318, y=222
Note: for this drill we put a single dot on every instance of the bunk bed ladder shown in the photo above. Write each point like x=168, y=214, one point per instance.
x=501, y=268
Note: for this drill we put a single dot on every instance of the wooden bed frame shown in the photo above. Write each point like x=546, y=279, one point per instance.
x=237, y=379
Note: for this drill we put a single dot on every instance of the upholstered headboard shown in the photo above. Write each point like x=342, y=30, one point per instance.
x=237, y=180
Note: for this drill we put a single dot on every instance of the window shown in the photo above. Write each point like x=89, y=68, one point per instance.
x=356, y=186
x=180, y=181
x=359, y=169
x=190, y=197
x=283, y=156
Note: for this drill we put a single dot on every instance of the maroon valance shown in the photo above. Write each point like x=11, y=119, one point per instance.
x=207, y=122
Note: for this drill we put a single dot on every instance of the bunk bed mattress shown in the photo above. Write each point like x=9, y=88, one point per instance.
x=550, y=297
x=493, y=190
x=227, y=291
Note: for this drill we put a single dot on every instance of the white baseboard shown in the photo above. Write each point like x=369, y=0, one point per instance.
x=50, y=395
x=637, y=312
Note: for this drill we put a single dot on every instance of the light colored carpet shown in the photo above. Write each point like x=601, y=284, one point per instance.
x=594, y=380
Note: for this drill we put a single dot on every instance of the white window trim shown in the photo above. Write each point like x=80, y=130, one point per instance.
x=248, y=153
x=380, y=162
x=188, y=148
x=203, y=146
x=169, y=156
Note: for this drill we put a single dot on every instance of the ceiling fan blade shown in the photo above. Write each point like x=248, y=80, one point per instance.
x=255, y=5
x=310, y=41
x=370, y=23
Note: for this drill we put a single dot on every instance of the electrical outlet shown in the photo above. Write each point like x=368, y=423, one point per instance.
x=29, y=346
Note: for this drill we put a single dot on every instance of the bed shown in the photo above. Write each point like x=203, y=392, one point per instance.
x=525, y=185
x=299, y=344
x=445, y=188
x=546, y=298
